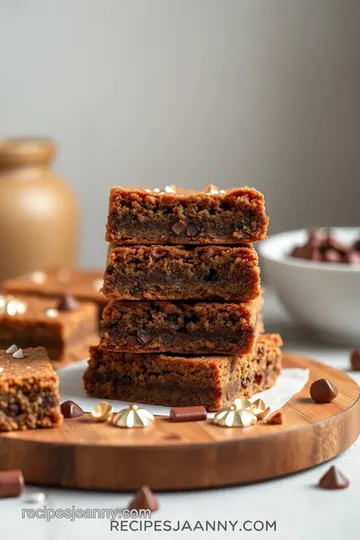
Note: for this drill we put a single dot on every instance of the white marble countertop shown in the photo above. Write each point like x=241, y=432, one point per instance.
x=301, y=511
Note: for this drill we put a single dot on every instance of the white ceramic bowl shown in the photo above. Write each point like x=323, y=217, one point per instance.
x=323, y=296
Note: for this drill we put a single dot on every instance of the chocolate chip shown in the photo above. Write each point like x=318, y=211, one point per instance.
x=332, y=256
x=144, y=500
x=13, y=409
x=192, y=229
x=179, y=227
x=70, y=409
x=125, y=379
x=131, y=341
x=332, y=243
x=244, y=382
x=259, y=378
x=11, y=483
x=67, y=303
x=210, y=275
x=356, y=246
x=355, y=359
x=48, y=402
x=261, y=349
x=333, y=479
x=143, y=337
x=323, y=391
x=188, y=414
x=276, y=418
x=352, y=257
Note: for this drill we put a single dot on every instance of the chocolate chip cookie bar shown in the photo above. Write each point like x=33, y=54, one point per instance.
x=178, y=381
x=175, y=216
x=29, y=390
x=182, y=273
x=58, y=325
x=180, y=327
x=83, y=284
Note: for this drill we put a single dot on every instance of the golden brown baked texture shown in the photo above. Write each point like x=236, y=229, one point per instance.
x=172, y=381
x=29, y=391
x=228, y=273
x=212, y=216
x=180, y=327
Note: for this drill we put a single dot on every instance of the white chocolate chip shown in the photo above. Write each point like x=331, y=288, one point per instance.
x=38, y=277
x=18, y=354
x=12, y=349
x=148, y=190
x=156, y=190
x=222, y=191
x=52, y=313
x=1, y=369
x=36, y=498
x=169, y=189
x=97, y=284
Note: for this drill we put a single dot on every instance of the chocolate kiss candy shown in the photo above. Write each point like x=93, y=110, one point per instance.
x=333, y=479
x=144, y=500
x=67, y=303
x=70, y=409
x=323, y=391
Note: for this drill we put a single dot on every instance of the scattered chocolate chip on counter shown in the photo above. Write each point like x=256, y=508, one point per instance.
x=144, y=500
x=355, y=359
x=333, y=479
x=323, y=391
x=11, y=483
x=275, y=418
x=323, y=246
x=188, y=414
x=70, y=409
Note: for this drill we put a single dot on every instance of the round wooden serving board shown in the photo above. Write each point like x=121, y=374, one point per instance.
x=168, y=456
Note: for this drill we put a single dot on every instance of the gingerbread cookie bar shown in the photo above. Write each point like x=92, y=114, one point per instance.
x=57, y=325
x=182, y=273
x=178, y=381
x=180, y=327
x=174, y=216
x=29, y=390
x=83, y=284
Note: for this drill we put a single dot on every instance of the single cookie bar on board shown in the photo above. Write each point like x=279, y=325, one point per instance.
x=175, y=216
x=181, y=327
x=58, y=325
x=29, y=390
x=182, y=273
x=178, y=381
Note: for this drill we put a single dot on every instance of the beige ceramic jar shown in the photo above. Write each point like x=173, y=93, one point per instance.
x=38, y=211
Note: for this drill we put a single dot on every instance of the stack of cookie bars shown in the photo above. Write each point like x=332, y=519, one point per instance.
x=184, y=321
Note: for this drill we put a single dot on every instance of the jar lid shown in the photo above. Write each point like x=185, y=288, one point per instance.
x=25, y=150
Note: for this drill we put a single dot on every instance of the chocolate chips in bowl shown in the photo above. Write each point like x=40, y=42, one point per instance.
x=323, y=246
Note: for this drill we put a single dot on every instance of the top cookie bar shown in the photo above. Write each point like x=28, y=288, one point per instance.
x=175, y=216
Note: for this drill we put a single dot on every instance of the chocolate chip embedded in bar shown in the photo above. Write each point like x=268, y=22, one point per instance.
x=188, y=414
x=212, y=216
x=182, y=273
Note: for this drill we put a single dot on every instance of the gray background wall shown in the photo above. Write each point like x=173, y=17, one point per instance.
x=231, y=92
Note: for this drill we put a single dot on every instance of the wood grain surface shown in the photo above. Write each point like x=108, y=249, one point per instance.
x=172, y=456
